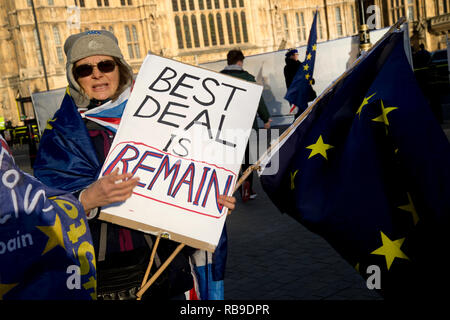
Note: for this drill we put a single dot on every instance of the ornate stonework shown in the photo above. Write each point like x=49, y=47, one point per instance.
x=193, y=31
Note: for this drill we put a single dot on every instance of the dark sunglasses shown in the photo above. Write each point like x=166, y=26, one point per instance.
x=85, y=70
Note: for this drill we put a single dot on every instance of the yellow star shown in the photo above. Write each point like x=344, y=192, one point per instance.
x=306, y=67
x=308, y=57
x=364, y=103
x=357, y=267
x=307, y=76
x=5, y=288
x=383, y=117
x=54, y=234
x=310, y=82
x=410, y=208
x=49, y=126
x=293, y=179
x=314, y=47
x=319, y=148
x=390, y=249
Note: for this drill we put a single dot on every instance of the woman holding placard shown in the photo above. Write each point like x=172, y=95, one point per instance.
x=72, y=151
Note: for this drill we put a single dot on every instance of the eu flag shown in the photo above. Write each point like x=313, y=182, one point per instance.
x=46, y=249
x=67, y=147
x=299, y=90
x=368, y=169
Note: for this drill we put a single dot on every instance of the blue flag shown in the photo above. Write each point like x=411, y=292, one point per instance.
x=368, y=169
x=66, y=158
x=46, y=249
x=299, y=90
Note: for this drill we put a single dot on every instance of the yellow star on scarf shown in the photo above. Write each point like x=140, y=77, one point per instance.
x=308, y=57
x=319, y=148
x=49, y=126
x=5, y=288
x=390, y=249
x=410, y=208
x=383, y=117
x=364, y=103
x=54, y=234
x=314, y=47
x=307, y=76
x=306, y=67
x=293, y=179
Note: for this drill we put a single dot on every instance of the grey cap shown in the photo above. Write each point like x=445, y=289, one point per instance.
x=85, y=44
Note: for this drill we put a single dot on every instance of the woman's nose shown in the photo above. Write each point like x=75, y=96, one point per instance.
x=96, y=73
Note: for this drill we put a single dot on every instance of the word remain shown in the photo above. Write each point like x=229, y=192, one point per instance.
x=169, y=178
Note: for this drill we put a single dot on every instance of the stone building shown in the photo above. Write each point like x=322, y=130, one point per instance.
x=429, y=20
x=193, y=31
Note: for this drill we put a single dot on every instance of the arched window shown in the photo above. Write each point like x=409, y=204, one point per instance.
x=229, y=28
x=302, y=16
x=195, y=31
x=212, y=29
x=241, y=3
x=244, y=26
x=233, y=3
x=340, y=30
x=130, y=46
x=237, y=29
x=174, y=5
x=137, y=49
x=183, y=5
x=220, y=29
x=59, y=51
x=187, y=32
x=208, y=4
x=191, y=5
x=201, y=4
x=205, y=30
x=217, y=4
x=299, y=30
x=179, y=33
x=226, y=4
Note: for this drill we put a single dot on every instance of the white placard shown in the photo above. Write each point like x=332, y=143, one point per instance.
x=183, y=133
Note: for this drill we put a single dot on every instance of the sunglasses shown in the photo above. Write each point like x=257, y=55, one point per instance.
x=85, y=70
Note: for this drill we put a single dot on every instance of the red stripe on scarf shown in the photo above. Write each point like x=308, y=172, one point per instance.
x=125, y=240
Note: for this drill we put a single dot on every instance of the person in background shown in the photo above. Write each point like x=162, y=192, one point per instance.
x=71, y=154
x=235, y=63
x=293, y=64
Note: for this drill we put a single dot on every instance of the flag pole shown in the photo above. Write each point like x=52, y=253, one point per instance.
x=286, y=133
x=160, y=270
x=149, y=267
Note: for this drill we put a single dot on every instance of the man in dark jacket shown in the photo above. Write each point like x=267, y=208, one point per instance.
x=293, y=64
x=291, y=67
x=235, y=61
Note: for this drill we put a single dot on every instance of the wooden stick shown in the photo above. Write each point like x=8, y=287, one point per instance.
x=160, y=270
x=150, y=263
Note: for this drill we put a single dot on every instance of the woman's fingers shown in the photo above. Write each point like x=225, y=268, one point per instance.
x=109, y=189
x=227, y=201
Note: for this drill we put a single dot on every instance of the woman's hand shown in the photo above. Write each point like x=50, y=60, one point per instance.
x=109, y=189
x=229, y=202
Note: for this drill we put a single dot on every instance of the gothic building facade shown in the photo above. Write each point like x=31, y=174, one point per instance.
x=193, y=31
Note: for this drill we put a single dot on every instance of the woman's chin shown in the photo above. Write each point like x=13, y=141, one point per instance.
x=100, y=96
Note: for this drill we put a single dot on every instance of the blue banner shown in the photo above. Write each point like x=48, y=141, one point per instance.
x=46, y=249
